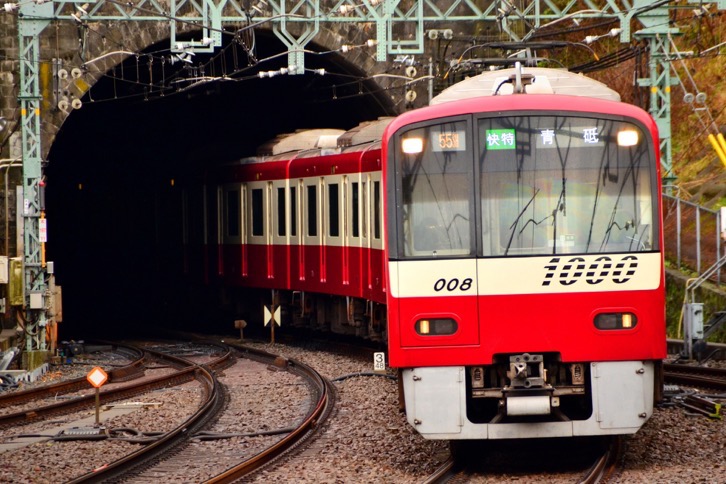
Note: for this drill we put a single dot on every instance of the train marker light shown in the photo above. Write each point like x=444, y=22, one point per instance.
x=615, y=321
x=436, y=327
x=412, y=146
x=628, y=137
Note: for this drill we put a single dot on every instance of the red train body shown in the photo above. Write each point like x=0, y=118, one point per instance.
x=508, y=247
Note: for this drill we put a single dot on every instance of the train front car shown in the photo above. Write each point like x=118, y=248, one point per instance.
x=526, y=286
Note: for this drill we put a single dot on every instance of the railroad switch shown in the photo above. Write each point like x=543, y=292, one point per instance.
x=702, y=405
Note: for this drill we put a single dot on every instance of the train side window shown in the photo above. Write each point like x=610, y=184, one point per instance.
x=293, y=211
x=377, y=210
x=232, y=213
x=257, y=212
x=355, y=209
x=281, y=219
x=364, y=204
x=333, y=210
x=312, y=210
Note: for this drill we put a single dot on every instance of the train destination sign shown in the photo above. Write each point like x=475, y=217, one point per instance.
x=571, y=137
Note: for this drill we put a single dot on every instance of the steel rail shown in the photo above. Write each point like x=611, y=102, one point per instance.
x=131, y=462
x=444, y=473
x=187, y=372
x=606, y=465
x=115, y=375
x=310, y=424
x=697, y=376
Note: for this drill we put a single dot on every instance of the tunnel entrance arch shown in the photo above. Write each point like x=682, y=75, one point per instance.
x=118, y=161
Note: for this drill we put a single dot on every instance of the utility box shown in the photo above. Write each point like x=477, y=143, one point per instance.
x=694, y=320
x=16, y=289
x=36, y=300
x=4, y=270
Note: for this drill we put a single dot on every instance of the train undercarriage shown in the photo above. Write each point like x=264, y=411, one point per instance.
x=357, y=317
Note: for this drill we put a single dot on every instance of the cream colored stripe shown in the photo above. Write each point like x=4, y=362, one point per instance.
x=526, y=275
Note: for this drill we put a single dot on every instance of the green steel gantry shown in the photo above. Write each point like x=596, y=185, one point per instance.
x=399, y=29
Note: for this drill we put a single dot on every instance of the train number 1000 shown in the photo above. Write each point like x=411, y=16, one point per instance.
x=453, y=284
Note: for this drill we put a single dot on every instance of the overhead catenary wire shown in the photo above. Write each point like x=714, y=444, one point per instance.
x=169, y=84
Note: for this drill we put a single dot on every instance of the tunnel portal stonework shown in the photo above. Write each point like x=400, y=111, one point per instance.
x=75, y=44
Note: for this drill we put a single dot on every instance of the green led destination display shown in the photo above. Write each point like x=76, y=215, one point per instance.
x=500, y=139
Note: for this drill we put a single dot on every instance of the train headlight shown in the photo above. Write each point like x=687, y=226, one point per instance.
x=616, y=321
x=628, y=137
x=436, y=326
x=412, y=146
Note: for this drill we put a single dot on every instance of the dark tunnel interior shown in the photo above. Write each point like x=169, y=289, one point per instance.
x=114, y=170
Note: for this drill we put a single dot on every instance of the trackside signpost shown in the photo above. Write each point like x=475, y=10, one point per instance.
x=272, y=315
x=97, y=377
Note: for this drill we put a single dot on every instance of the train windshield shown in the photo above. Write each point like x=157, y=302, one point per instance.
x=436, y=173
x=546, y=185
x=562, y=185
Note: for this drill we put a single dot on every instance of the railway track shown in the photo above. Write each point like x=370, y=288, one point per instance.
x=128, y=372
x=184, y=374
x=209, y=407
x=607, y=465
x=696, y=376
x=174, y=450
x=320, y=411
x=467, y=467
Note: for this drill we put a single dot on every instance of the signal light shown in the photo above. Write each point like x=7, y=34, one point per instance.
x=436, y=326
x=607, y=321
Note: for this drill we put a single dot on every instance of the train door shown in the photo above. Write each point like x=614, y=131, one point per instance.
x=280, y=232
x=194, y=231
x=313, y=233
x=268, y=221
x=345, y=230
x=376, y=261
x=354, y=240
x=231, y=234
x=297, y=248
x=218, y=239
x=334, y=254
x=207, y=224
x=258, y=262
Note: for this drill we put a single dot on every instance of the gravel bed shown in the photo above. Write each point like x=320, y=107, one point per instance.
x=370, y=441
x=366, y=440
x=261, y=398
x=54, y=461
x=60, y=461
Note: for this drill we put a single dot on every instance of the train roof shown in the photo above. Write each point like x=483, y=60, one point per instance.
x=300, y=140
x=366, y=132
x=544, y=81
x=321, y=142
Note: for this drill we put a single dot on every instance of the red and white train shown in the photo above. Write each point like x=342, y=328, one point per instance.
x=505, y=240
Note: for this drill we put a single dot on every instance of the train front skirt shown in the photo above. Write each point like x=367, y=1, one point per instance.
x=621, y=393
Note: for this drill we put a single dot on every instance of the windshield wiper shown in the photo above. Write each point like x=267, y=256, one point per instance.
x=516, y=221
